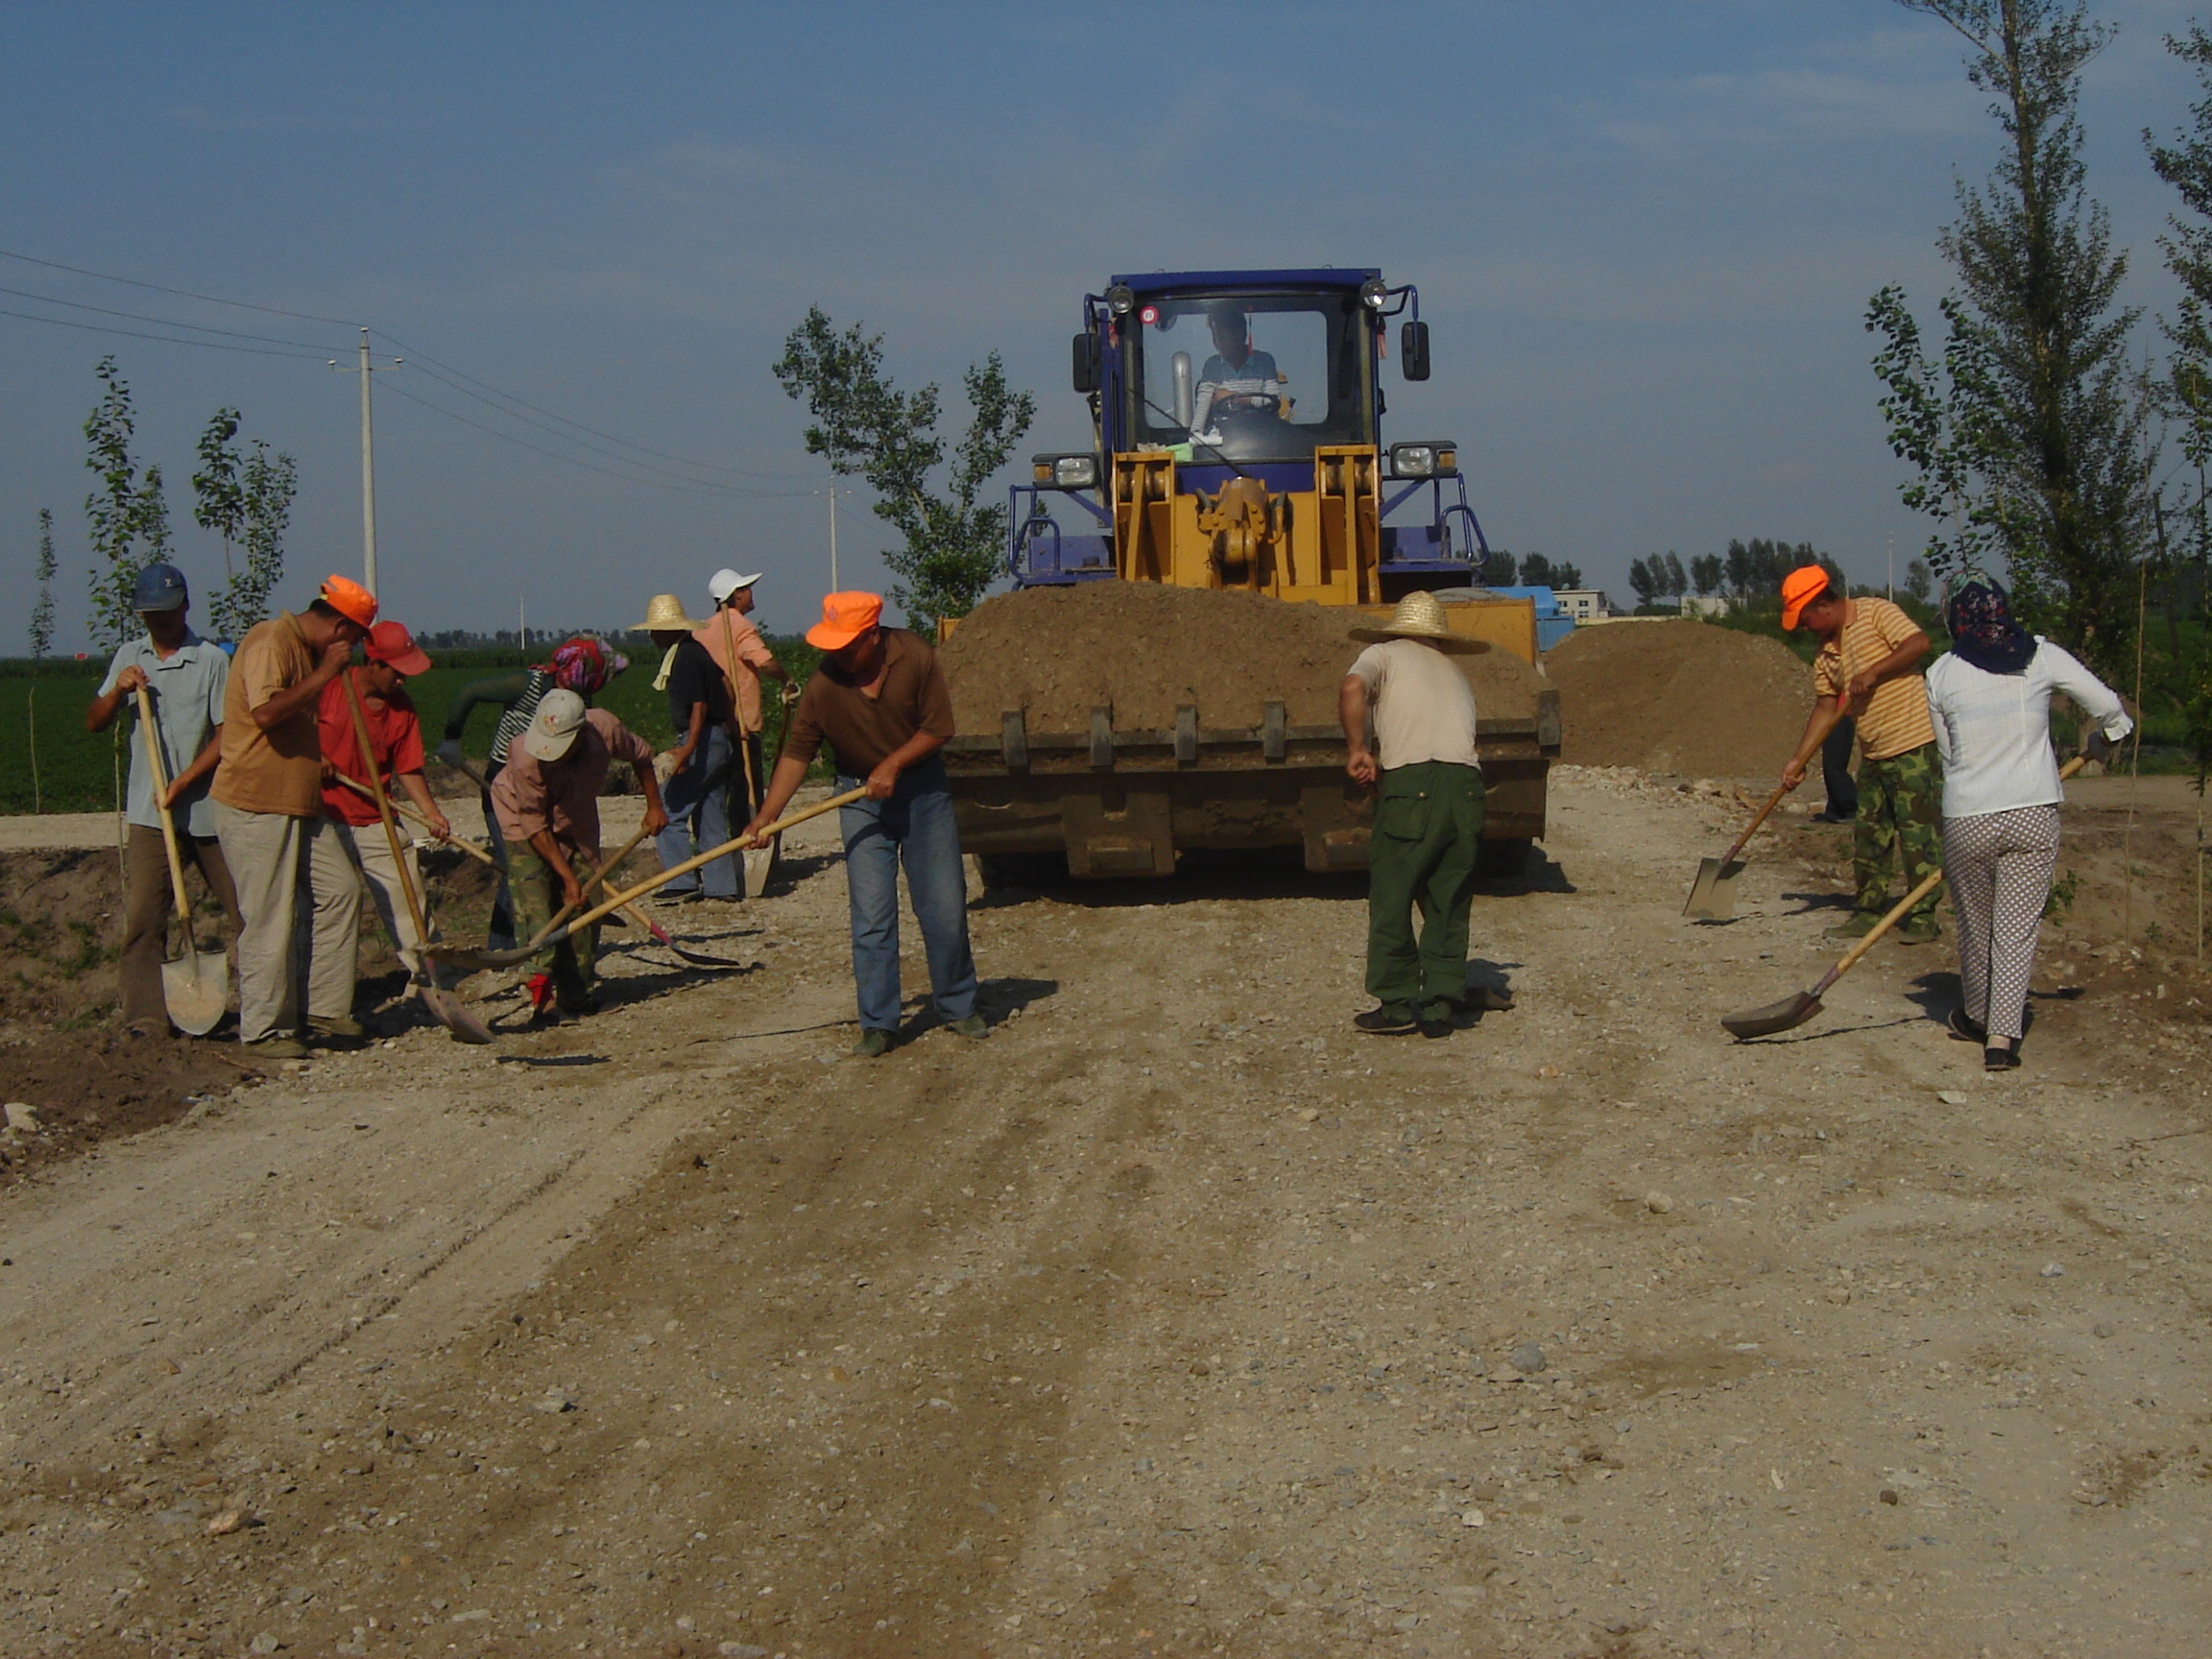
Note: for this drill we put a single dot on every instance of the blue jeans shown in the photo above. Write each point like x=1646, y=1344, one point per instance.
x=698, y=803
x=914, y=827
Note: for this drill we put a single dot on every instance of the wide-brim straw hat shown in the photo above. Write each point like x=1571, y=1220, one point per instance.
x=1421, y=616
x=665, y=615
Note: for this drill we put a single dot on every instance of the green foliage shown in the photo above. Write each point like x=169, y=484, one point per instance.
x=127, y=515
x=1497, y=569
x=42, y=612
x=247, y=500
x=1919, y=581
x=2026, y=441
x=1706, y=572
x=2060, y=899
x=864, y=425
x=2186, y=164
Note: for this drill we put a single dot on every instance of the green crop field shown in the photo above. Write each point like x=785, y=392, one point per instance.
x=76, y=769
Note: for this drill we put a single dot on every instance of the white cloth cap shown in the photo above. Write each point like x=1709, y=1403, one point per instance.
x=552, y=731
x=725, y=582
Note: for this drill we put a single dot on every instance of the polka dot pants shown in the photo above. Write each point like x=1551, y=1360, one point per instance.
x=1999, y=868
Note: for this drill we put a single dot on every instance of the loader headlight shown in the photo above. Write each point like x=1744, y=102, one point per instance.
x=1121, y=299
x=1430, y=460
x=1065, y=471
x=1374, y=293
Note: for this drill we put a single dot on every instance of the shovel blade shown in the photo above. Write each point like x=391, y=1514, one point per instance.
x=197, y=990
x=1713, y=894
x=759, y=866
x=447, y=1009
x=1782, y=1016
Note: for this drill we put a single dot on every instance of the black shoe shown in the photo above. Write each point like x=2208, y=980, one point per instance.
x=1996, y=1059
x=1965, y=1030
x=1391, y=1019
x=1436, y=1021
x=576, y=1007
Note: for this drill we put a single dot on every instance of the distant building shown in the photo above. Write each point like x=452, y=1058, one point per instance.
x=1584, y=604
x=1704, y=605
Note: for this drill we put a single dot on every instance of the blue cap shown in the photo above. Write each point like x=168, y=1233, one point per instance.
x=160, y=587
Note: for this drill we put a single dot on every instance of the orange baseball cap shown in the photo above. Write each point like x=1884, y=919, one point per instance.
x=845, y=617
x=351, y=600
x=1799, y=589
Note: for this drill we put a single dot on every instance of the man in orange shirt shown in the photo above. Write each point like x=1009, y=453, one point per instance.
x=269, y=785
x=1869, y=662
x=350, y=847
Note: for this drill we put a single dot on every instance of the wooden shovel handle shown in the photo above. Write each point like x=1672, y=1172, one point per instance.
x=153, y=737
x=409, y=813
x=1752, y=829
x=384, y=809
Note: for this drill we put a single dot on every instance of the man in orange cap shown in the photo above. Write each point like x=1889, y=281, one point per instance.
x=348, y=847
x=1870, y=663
x=881, y=702
x=269, y=787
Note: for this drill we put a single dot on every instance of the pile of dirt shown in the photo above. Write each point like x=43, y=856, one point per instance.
x=1144, y=650
x=1685, y=697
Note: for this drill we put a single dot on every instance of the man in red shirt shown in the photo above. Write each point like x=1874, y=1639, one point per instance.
x=349, y=845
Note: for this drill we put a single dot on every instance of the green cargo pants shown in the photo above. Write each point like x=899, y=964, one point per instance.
x=537, y=898
x=1901, y=806
x=1422, y=856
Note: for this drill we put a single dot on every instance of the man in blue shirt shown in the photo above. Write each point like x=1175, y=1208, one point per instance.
x=1234, y=361
x=185, y=677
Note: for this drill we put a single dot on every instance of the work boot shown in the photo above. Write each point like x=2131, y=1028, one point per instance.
x=975, y=1027
x=873, y=1045
x=1855, y=925
x=1391, y=1019
x=276, y=1049
x=1435, y=1019
x=335, y=1028
x=1920, y=930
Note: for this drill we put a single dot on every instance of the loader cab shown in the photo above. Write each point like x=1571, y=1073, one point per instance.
x=1245, y=378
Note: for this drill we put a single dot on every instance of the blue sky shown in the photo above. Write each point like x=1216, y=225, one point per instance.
x=1645, y=235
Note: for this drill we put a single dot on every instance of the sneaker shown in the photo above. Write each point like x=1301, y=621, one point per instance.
x=1996, y=1059
x=873, y=1045
x=1920, y=930
x=339, y=1027
x=1391, y=1019
x=975, y=1028
x=1435, y=1019
x=276, y=1049
x=1855, y=925
x=576, y=1007
x=1965, y=1030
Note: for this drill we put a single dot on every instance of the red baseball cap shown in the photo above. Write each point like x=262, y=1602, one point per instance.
x=390, y=643
x=1799, y=589
x=845, y=617
x=349, y=599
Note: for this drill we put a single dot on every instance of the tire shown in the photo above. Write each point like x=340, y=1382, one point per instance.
x=1507, y=856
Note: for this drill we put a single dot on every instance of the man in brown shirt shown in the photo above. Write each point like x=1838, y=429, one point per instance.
x=268, y=793
x=879, y=700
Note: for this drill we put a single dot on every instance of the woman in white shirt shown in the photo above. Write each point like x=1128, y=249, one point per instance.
x=1990, y=699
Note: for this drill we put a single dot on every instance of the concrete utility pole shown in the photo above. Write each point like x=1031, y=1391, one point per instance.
x=834, y=587
x=367, y=466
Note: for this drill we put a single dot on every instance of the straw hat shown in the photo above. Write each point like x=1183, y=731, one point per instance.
x=665, y=615
x=1421, y=616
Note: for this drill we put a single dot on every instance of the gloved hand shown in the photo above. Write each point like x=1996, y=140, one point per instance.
x=449, y=752
x=2096, y=746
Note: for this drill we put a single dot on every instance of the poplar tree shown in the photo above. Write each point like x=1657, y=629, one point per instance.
x=42, y=612
x=2025, y=435
x=127, y=514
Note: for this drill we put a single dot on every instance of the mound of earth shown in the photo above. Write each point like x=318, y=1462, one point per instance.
x=1143, y=650
x=1683, y=697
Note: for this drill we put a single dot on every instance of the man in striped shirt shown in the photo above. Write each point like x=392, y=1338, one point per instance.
x=1869, y=662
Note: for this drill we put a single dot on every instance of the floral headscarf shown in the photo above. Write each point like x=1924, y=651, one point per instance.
x=584, y=665
x=1979, y=618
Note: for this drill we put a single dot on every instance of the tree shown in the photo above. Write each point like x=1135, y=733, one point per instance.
x=1566, y=575
x=247, y=500
x=1536, y=571
x=1706, y=570
x=863, y=424
x=2026, y=439
x=1919, y=579
x=42, y=612
x=1678, y=580
x=1643, y=578
x=2187, y=166
x=1497, y=569
x=127, y=514
x=218, y=503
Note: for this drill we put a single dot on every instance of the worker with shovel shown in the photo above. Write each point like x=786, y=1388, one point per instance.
x=731, y=639
x=1427, y=833
x=881, y=702
x=269, y=787
x=548, y=802
x=1868, y=664
x=350, y=847
x=185, y=677
x=699, y=769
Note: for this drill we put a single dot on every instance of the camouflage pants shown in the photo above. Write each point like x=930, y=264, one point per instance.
x=1901, y=806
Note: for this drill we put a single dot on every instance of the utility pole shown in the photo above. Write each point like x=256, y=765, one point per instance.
x=367, y=466
x=833, y=535
x=1893, y=569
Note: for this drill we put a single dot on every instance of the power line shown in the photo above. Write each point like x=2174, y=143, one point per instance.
x=164, y=339
x=164, y=321
x=186, y=293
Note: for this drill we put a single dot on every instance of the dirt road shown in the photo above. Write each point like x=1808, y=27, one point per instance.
x=1175, y=1319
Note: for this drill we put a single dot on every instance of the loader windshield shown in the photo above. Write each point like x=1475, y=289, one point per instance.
x=1250, y=377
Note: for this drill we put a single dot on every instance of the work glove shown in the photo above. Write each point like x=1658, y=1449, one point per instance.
x=449, y=752
x=2096, y=746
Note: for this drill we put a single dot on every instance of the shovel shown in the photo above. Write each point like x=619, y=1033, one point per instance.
x=1795, y=1011
x=661, y=935
x=1713, y=894
x=445, y=1007
x=464, y=957
x=759, y=861
x=197, y=985
x=413, y=816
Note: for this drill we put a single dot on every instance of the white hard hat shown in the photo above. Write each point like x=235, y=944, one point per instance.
x=725, y=582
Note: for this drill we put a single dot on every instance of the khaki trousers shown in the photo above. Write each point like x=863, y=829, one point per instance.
x=148, y=904
x=266, y=853
x=340, y=858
